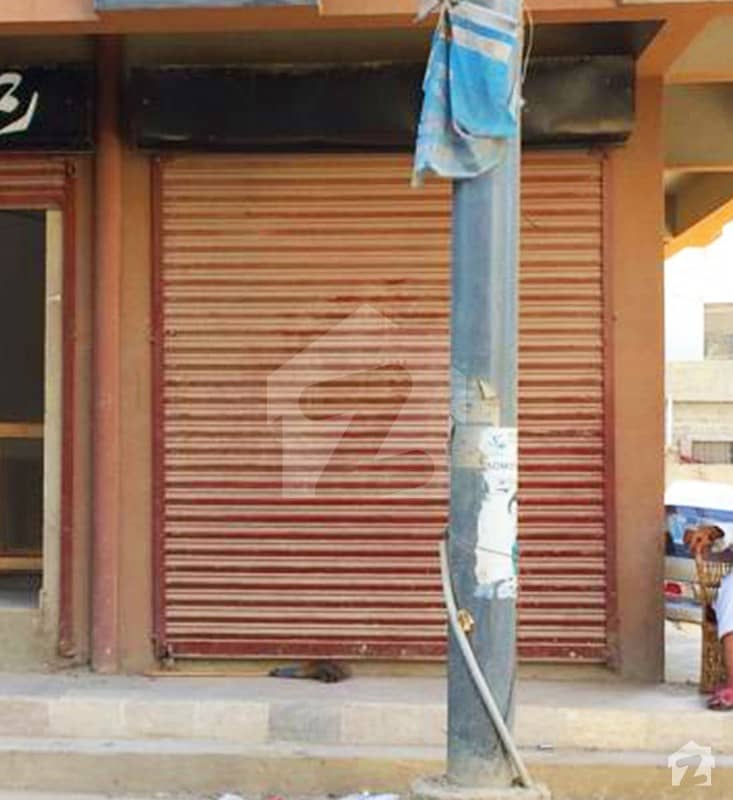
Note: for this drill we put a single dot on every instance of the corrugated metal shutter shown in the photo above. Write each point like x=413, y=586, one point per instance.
x=562, y=519
x=33, y=180
x=303, y=364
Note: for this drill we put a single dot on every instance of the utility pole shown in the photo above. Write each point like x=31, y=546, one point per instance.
x=483, y=457
x=483, y=464
x=481, y=547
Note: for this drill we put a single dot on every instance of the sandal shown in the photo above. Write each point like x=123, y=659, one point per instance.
x=722, y=699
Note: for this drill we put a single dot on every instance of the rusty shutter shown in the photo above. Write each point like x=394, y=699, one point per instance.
x=302, y=363
x=562, y=512
x=32, y=181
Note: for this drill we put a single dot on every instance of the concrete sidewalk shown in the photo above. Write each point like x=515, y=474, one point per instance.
x=403, y=712
x=202, y=735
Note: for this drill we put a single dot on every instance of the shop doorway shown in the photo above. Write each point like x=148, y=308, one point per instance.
x=302, y=408
x=30, y=266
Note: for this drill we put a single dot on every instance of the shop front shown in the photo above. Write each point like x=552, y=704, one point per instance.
x=301, y=366
x=237, y=421
x=45, y=118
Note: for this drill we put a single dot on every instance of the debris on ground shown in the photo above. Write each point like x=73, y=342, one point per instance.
x=369, y=796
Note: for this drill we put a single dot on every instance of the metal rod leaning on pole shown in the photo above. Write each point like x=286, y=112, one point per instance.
x=497, y=720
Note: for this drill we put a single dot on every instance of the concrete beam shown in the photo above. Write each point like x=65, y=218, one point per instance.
x=697, y=141
x=709, y=58
x=45, y=11
x=697, y=197
x=702, y=233
x=675, y=37
x=697, y=124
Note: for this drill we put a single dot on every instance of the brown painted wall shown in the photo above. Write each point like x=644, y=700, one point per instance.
x=81, y=535
x=136, y=591
x=638, y=392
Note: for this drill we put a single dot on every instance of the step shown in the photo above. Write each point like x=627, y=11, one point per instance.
x=399, y=712
x=144, y=767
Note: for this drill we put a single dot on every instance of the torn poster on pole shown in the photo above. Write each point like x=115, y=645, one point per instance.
x=472, y=90
x=496, y=543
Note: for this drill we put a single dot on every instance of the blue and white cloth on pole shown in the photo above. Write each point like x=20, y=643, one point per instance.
x=471, y=92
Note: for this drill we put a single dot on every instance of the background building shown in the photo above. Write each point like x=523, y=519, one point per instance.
x=699, y=346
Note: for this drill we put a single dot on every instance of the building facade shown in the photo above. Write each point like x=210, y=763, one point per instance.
x=239, y=332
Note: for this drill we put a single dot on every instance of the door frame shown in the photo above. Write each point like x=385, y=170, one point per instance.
x=55, y=191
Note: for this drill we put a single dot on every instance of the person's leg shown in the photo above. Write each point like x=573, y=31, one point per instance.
x=723, y=697
x=727, y=643
x=724, y=608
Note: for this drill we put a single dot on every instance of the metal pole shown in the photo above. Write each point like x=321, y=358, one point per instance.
x=483, y=461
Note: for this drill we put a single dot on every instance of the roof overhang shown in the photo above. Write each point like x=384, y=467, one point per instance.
x=132, y=16
x=698, y=121
x=148, y=5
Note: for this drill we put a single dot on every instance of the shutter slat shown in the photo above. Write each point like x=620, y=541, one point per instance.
x=32, y=181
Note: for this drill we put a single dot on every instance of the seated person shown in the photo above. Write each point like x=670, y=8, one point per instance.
x=700, y=540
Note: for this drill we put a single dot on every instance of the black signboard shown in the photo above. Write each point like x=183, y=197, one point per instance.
x=569, y=102
x=230, y=108
x=47, y=108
